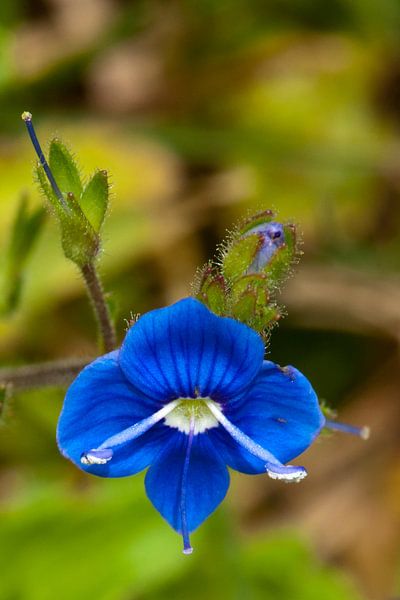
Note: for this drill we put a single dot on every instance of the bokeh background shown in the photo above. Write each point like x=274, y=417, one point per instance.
x=203, y=110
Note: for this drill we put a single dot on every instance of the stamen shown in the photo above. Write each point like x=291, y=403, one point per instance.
x=187, y=548
x=274, y=468
x=362, y=432
x=96, y=457
x=103, y=453
x=27, y=118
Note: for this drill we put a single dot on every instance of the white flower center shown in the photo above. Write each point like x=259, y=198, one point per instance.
x=192, y=410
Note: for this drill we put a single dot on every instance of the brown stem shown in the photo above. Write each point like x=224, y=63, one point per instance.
x=96, y=295
x=56, y=373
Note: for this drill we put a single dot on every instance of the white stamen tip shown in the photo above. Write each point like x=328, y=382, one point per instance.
x=365, y=432
x=26, y=116
x=289, y=476
x=188, y=550
x=96, y=457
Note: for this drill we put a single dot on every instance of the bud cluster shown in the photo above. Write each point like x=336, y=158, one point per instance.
x=251, y=266
x=79, y=207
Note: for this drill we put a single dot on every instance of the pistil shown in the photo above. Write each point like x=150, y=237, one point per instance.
x=189, y=408
x=362, y=432
x=187, y=548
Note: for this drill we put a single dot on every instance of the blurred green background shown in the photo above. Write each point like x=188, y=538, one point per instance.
x=202, y=111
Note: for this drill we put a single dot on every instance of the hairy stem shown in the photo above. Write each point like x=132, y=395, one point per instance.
x=56, y=373
x=103, y=317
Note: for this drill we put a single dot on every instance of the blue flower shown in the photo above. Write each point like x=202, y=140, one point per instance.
x=188, y=394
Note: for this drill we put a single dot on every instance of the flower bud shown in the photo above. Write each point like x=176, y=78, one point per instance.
x=80, y=209
x=272, y=238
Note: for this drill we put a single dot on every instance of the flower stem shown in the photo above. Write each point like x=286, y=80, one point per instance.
x=99, y=305
x=58, y=373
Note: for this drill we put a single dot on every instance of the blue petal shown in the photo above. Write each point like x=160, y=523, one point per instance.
x=273, y=237
x=207, y=481
x=185, y=351
x=100, y=403
x=280, y=412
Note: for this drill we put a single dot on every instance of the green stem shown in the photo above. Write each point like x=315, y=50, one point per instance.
x=100, y=308
x=58, y=373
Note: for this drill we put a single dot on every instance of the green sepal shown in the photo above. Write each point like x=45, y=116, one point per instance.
x=252, y=281
x=239, y=255
x=266, y=317
x=79, y=241
x=252, y=307
x=46, y=189
x=261, y=218
x=328, y=412
x=65, y=169
x=279, y=265
x=212, y=291
x=244, y=309
x=94, y=199
x=24, y=233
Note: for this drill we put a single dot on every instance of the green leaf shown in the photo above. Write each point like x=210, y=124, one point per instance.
x=64, y=169
x=239, y=255
x=4, y=398
x=25, y=230
x=294, y=570
x=94, y=199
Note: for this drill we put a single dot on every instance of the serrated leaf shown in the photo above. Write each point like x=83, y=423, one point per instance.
x=240, y=255
x=64, y=169
x=94, y=199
